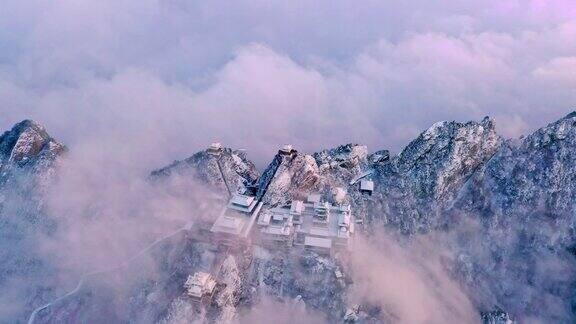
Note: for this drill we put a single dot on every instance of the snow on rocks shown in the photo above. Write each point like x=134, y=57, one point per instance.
x=295, y=177
x=238, y=171
x=429, y=172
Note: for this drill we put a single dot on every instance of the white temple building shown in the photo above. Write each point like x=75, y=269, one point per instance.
x=366, y=187
x=286, y=150
x=215, y=149
x=323, y=225
x=236, y=221
x=314, y=224
x=276, y=227
x=200, y=286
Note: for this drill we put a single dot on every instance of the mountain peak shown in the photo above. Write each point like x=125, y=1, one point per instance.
x=27, y=140
x=28, y=123
x=348, y=155
x=228, y=169
x=447, y=139
x=561, y=132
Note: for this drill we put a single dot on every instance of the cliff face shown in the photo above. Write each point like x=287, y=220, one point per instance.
x=523, y=199
x=294, y=176
x=418, y=184
x=529, y=177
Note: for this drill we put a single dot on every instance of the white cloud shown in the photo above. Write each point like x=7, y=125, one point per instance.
x=408, y=283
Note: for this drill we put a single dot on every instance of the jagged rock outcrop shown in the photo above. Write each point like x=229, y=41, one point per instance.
x=27, y=149
x=379, y=157
x=294, y=177
x=496, y=317
x=520, y=192
x=239, y=172
x=416, y=186
x=530, y=178
x=345, y=156
x=28, y=161
x=339, y=165
x=524, y=201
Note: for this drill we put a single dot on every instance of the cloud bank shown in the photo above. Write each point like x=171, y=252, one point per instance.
x=256, y=75
x=408, y=284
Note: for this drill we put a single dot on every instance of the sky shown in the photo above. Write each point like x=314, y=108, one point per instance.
x=163, y=79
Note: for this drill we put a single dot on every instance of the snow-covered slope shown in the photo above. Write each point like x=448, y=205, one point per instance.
x=239, y=172
x=418, y=184
x=524, y=197
x=294, y=176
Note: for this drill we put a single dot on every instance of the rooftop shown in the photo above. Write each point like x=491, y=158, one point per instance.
x=367, y=185
x=215, y=149
x=216, y=145
x=318, y=242
x=320, y=220
x=313, y=198
x=242, y=203
x=296, y=207
x=264, y=219
x=238, y=220
x=228, y=224
x=286, y=149
x=242, y=200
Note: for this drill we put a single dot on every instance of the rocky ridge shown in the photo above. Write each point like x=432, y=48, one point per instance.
x=519, y=193
x=239, y=172
x=506, y=209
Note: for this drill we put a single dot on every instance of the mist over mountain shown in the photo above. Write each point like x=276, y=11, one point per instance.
x=177, y=161
x=462, y=224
